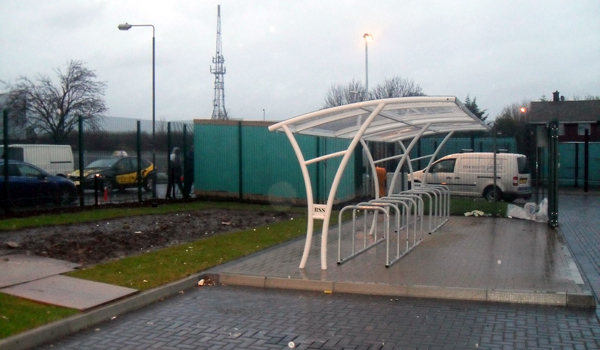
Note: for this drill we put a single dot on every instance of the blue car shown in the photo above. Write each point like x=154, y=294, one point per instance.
x=30, y=185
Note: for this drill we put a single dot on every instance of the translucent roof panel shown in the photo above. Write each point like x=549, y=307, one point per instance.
x=398, y=119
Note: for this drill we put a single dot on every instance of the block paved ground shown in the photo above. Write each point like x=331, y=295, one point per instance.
x=579, y=222
x=223, y=317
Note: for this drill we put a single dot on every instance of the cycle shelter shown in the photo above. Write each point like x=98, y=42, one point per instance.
x=394, y=120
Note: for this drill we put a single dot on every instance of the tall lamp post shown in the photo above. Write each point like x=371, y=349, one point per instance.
x=128, y=26
x=368, y=37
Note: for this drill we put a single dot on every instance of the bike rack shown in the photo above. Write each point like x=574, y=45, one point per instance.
x=408, y=202
x=439, y=204
x=366, y=208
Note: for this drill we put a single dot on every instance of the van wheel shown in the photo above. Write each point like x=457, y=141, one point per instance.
x=490, y=195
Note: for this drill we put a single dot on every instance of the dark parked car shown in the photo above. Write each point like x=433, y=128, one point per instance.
x=30, y=185
x=115, y=173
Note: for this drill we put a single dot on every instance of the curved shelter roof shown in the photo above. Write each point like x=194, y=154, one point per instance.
x=385, y=120
x=398, y=119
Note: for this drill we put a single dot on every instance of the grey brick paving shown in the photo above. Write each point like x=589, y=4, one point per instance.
x=579, y=221
x=228, y=317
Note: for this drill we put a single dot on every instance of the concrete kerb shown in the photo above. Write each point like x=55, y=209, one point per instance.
x=575, y=300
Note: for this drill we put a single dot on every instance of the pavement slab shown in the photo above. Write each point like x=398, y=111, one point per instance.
x=20, y=268
x=482, y=258
x=69, y=292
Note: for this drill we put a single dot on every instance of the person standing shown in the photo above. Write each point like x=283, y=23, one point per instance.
x=174, y=173
x=188, y=173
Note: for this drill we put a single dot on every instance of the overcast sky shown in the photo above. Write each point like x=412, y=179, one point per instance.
x=283, y=56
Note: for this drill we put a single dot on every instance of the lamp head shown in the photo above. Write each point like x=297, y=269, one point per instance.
x=368, y=37
x=125, y=26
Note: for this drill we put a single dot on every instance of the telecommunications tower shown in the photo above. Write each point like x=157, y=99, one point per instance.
x=219, y=111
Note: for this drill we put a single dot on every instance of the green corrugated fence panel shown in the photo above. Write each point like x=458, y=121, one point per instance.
x=457, y=145
x=567, y=164
x=269, y=165
x=346, y=189
x=216, y=148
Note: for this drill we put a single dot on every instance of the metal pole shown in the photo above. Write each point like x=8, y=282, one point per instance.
x=139, y=160
x=366, y=65
x=240, y=162
x=576, y=165
x=495, y=175
x=586, y=162
x=5, y=157
x=153, y=114
x=171, y=181
x=81, y=165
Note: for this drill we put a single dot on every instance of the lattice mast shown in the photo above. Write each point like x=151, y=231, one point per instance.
x=219, y=111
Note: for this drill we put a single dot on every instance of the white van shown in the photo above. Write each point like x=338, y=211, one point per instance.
x=472, y=174
x=54, y=159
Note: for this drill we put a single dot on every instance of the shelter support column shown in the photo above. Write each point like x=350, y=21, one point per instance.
x=405, y=155
x=309, y=195
x=337, y=179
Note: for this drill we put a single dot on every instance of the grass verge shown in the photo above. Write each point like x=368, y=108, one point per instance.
x=160, y=267
x=18, y=315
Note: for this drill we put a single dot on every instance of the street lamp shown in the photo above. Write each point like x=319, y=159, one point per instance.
x=128, y=26
x=368, y=37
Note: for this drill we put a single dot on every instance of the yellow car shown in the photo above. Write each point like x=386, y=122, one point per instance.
x=115, y=173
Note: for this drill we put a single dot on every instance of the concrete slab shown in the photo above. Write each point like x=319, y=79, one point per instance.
x=68, y=292
x=493, y=259
x=20, y=268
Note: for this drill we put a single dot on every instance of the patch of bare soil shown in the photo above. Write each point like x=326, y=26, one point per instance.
x=96, y=242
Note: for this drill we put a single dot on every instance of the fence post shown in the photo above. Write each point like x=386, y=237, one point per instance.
x=586, y=161
x=553, y=159
x=184, y=160
x=240, y=162
x=318, y=171
x=81, y=165
x=495, y=203
x=5, y=156
x=472, y=141
x=576, y=165
x=169, y=170
x=139, y=160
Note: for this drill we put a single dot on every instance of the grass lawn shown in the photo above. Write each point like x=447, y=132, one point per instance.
x=18, y=315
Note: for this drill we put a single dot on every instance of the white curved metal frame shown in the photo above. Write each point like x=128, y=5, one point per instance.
x=385, y=120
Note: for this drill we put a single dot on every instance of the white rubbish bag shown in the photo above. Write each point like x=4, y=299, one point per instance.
x=530, y=211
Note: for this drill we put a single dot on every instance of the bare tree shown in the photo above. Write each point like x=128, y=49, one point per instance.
x=339, y=95
x=54, y=110
x=354, y=91
x=397, y=87
x=586, y=97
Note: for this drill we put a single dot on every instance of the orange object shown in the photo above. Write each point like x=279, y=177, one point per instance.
x=106, y=194
x=382, y=179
